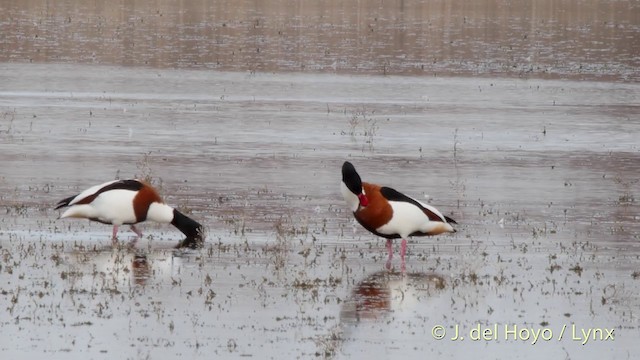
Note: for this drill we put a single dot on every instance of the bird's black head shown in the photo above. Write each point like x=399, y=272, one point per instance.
x=351, y=178
x=353, y=183
x=191, y=228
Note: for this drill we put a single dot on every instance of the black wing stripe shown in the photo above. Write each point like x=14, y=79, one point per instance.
x=394, y=195
x=132, y=185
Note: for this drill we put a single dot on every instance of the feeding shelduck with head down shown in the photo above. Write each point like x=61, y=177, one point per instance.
x=389, y=213
x=129, y=202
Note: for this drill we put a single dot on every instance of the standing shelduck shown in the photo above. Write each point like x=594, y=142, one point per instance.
x=128, y=202
x=389, y=213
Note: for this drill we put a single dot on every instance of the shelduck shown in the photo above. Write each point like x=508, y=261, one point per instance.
x=129, y=202
x=389, y=213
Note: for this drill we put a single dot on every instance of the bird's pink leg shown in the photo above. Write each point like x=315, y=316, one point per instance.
x=403, y=251
x=390, y=251
x=136, y=230
x=114, y=236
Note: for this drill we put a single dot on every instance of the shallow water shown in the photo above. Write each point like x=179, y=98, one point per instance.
x=537, y=163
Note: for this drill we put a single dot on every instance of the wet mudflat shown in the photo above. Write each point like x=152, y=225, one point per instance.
x=573, y=39
x=541, y=175
x=520, y=122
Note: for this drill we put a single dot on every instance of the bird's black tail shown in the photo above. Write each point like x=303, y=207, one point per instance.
x=64, y=202
x=450, y=220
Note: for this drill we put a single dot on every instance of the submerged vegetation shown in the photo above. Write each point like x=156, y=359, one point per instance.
x=363, y=125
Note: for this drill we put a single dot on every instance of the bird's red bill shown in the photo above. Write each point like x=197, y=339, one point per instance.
x=363, y=200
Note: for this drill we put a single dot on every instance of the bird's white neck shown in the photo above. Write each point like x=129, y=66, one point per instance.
x=352, y=199
x=159, y=212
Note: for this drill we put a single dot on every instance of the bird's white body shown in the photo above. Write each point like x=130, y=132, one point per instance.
x=407, y=219
x=110, y=207
x=115, y=207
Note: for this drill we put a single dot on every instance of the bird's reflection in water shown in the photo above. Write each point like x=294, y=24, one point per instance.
x=384, y=292
x=141, y=271
x=110, y=268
